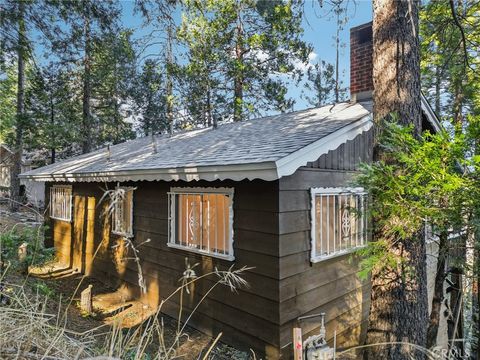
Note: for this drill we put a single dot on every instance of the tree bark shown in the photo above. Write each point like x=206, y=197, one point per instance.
x=438, y=81
x=86, y=113
x=399, y=303
x=52, y=134
x=438, y=293
x=476, y=308
x=169, y=86
x=238, y=80
x=238, y=98
x=475, y=352
x=20, y=116
x=337, y=55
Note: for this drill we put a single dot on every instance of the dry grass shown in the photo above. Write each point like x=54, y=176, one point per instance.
x=29, y=331
x=37, y=323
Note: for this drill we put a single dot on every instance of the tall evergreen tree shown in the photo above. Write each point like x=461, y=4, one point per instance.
x=320, y=85
x=83, y=22
x=150, y=100
x=399, y=308
x=161, y=14
x=8, y=91
x=251, y=42
x=18, y=21
x=113, y=71
x=14, y=16
x=450, y=77
x=201, y=79
x=54, y=111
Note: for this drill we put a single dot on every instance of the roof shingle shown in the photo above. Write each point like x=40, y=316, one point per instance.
x=257, y=141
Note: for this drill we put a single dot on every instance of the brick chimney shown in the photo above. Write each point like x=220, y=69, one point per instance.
x=361, y=62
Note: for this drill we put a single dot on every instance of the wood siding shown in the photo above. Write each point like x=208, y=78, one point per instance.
x=347, y=156
x=248, y=318
x=271, y=234
x=331, y=286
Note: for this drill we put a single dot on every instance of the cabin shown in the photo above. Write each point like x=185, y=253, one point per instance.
x=32, y=191
x=274, y=194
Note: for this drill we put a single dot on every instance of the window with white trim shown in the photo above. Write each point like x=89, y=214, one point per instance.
x=339, y=224
x=201, y=220
x=61, y=202
x=122, y=212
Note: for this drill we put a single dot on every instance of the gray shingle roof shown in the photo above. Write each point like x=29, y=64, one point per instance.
x=249, y=144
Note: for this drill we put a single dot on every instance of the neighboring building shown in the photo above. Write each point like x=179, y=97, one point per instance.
x=33, y=191
x=274, y=194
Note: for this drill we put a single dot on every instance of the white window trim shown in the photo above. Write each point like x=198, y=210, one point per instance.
x=172, y=221
x=122, y=233
x=314, y=258
x=69, y=202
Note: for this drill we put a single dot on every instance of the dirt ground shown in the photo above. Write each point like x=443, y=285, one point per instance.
x=63, y=288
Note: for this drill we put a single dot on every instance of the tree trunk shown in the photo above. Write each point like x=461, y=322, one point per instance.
x=117, y=138
x=399, y=303
x=52, y=124
x=238, y=80
x=86, y=114
x=438, y=293
x=238, y=98
x=20, y=116
x=438, y=81
x=455, y=328
x=396, y=63
x=476, y=285
x=476, y=306
x=337, y=55
x=169, y=86
x=210, y=120
x=320, y=94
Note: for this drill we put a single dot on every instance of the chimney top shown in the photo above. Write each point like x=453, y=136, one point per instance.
x=361, y=62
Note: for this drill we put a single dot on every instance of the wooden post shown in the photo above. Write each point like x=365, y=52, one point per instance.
x=86, y=300
x=297, y=344
x=22, y=252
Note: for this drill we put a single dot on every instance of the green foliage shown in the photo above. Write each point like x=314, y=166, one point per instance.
x=150, y=99
x=53, y=111
x=418, y=181
x=36, y=253
x=114, y=69
x=8, y=90
x=320, y=82
x=42, y=288
x=234, y=47
x=450, y=60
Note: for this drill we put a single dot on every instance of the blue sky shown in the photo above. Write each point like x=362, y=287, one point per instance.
x=319, y=26
x=320, y=30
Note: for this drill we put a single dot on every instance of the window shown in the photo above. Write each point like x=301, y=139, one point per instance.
x=122, y=213
x=61, y=202
x=338, y=221
x=201, y=220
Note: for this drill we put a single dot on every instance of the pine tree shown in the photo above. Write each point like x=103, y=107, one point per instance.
x=160, y=13
x=450, y=53
x=320, y=85
x=83, y=22
x=200, y=79
x=8, y=91
x=399, y=308
x=114, y=69
x=14, y=16
x=54, y=111
x=150, y=100
x=250, y=44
